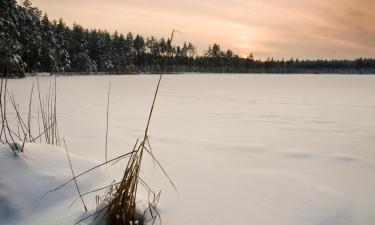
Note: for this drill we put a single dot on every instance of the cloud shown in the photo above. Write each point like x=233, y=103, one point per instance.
x=278, y=28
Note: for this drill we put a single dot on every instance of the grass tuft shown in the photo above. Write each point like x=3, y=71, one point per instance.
x=16, y=132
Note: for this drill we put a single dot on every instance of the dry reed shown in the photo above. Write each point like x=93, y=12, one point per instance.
x=18, y=131
x=122, y=210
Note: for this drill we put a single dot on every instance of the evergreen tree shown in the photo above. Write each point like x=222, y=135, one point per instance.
x=10, y=46
x=30, y=42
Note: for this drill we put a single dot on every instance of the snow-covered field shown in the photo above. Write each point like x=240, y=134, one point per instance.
x=241, y=149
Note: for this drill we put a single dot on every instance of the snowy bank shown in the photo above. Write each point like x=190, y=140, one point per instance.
x=26, y=180
x=272, y=150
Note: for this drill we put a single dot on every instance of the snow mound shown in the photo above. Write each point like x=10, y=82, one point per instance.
x=26, y=180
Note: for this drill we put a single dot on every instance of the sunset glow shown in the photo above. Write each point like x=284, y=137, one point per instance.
x=270, y=28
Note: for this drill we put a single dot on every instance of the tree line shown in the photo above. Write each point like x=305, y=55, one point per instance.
x=30, y=43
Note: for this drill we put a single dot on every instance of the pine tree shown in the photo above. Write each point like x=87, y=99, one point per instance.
x=30, y=36
x=10, y=46
x=139, y=48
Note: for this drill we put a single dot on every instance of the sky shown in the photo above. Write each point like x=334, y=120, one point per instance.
x=325, y=29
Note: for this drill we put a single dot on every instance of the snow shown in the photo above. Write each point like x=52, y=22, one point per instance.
x=27, y=179
x=241, y=149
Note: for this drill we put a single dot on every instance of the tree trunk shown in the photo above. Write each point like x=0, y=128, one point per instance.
x=4, y=71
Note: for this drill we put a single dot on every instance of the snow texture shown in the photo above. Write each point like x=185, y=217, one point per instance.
x=273, y=150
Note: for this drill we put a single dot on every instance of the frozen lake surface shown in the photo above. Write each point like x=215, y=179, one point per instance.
x=241, y=149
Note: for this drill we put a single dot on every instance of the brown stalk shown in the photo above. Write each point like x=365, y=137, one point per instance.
x=29, y=114
x=75, y=180
x=89, y=170
x=106, y=132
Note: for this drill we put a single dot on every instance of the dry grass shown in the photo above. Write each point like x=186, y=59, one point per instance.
x=106, y=132
x=75, y=180
x=17, y=131
x=122, y=209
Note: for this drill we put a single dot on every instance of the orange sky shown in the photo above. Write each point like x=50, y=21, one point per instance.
x=267, y=28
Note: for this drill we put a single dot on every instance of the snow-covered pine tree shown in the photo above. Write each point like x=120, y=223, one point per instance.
x=10, y=47
x=30, y=35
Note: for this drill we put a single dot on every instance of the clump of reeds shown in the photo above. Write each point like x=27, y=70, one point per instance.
x=48, y=111
x=121, y=197
x=122, y=209
x=18, y=131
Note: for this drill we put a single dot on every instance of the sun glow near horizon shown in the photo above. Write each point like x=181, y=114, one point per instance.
x=271, y=28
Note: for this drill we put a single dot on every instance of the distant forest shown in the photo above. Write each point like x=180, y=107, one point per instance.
x=31, y=43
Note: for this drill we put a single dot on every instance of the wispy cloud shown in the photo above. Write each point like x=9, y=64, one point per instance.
x=268, y=28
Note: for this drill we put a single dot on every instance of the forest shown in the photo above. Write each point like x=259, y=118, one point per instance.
x=31, y=43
